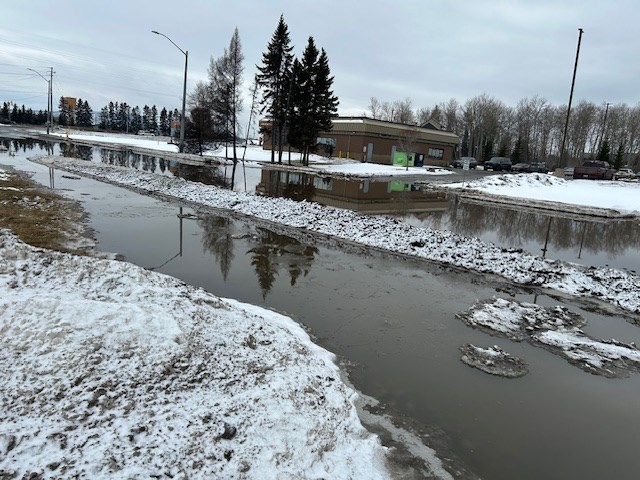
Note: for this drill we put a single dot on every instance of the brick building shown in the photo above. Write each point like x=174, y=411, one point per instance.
x=377, y=141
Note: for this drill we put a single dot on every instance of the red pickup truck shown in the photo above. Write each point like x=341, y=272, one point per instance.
x=595, y=170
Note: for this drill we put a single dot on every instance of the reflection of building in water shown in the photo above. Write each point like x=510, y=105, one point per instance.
x=361, y=195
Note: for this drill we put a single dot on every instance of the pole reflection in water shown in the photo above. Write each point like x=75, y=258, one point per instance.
x=181, y=216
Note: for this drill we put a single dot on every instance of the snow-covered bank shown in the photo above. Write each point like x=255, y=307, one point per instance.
x=611, y=286
x=622, y=197
x=112, y=371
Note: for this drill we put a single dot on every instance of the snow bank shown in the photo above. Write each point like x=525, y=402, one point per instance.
x=619, y=288
x=622, y=197
x=112, y=371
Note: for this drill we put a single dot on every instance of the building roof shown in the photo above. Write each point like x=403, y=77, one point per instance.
x=368, y=126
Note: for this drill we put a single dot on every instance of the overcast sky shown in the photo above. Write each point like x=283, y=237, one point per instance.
x=428, y=51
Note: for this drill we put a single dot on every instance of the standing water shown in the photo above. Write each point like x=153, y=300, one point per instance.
x=392, y=321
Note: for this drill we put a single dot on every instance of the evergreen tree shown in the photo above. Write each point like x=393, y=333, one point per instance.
x=154, y=119
x=146, y=118
x=312, y=103
x=84, y=114
x=122, y=117
x=272, y=78
x=63, y=115
x=618, y=161
x=604, y=154
x=104, y=118
x=164, y=122
x=112, y=115
x=515, y=156
x=136, y=120
x=4, y=115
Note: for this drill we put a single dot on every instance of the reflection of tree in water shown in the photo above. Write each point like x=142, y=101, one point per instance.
x=25, y=144
x=218, y=239
x=84, y=152
x=273, y=252
x=206, y=174
x=515, y=227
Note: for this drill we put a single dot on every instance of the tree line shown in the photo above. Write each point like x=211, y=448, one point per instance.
x=294, y=93
x=13, y=113
x=115, y=116
x=531, y=131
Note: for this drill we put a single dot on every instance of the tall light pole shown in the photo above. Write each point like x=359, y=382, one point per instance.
x=566, y=124
x=184, y=89
x=49, y=97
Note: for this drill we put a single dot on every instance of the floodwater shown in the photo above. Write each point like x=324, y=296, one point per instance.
x=393, y=322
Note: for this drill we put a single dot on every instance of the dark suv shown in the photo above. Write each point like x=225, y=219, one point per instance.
x=498, y=164
x=459, y=163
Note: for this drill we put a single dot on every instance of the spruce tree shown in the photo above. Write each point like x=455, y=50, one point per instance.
x=164, y=122
x=272, y=78
x=104, y=118
x=153, y=126
x=313, y=103
x=604, y=153
x=618, y=160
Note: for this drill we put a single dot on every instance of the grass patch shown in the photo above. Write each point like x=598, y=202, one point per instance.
x=41, y=217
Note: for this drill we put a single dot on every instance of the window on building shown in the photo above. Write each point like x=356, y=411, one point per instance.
x=436, y=153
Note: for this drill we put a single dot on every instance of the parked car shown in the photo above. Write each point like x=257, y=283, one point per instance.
x=594, y=170
x=146, y=133
x=459, y=163
x=538, y=167
x=568, y=171
x=498, y=164
x=520, y=167
x=625, y=172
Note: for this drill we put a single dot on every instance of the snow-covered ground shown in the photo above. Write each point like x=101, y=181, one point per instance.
x=622, y=197
x=113, y=371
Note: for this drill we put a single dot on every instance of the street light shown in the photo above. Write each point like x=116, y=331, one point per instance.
x=184, y=89
x=49, y=98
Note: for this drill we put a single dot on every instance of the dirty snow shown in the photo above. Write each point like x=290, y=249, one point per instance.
x=494, y=361
x=557, y=330
x=113, y=371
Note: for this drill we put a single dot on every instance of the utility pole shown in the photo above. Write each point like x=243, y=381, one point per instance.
x=566, y=124
x=184, y=89
x=50, y=99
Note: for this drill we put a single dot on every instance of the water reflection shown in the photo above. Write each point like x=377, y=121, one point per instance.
x=603, y=241
x=360, y=194
x=272, y=252
x=217, y=238
x=584, y=240
x=69, y=149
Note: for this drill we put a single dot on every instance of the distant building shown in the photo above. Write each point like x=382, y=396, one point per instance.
x=377, y=141
x=70, y=103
